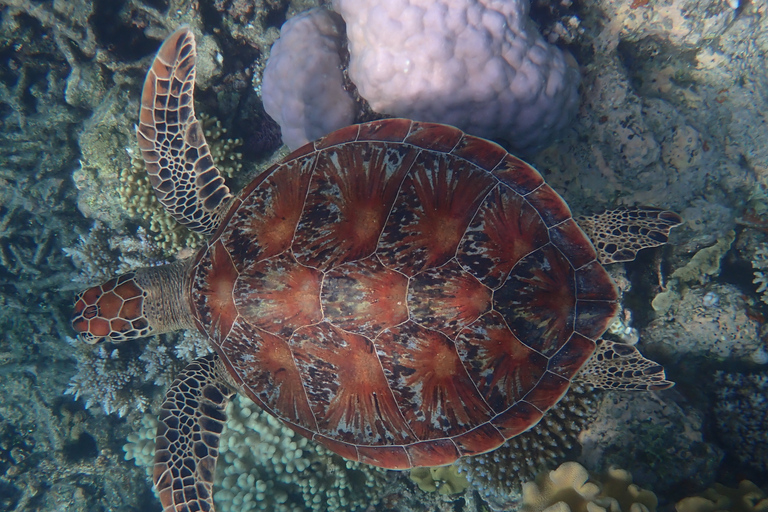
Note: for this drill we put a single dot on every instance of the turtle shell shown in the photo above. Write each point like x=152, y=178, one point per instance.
x=402, y=293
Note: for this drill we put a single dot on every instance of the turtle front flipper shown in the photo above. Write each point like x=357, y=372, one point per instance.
x=622, y=367
x=187, y=442
x=172, y=143
x=618, y=235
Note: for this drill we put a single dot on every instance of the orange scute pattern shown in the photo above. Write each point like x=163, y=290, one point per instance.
x=112, y=310
x=402, y=293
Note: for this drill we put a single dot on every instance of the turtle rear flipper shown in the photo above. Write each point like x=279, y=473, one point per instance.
x=622, y=367
x=187, y=442
x=619, y=234
x=172, y=143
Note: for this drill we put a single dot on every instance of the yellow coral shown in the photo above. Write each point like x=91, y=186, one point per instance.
x=747, y=497
x=569, y=489
x=443, y=479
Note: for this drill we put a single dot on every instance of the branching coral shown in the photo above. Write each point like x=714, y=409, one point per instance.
x=126, y=378
x=267, y=466
x=760, y=266
x=104, y=378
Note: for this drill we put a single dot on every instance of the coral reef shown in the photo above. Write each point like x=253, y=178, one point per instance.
x=760, y=266
x=747, y=497
x=128, y=378
x=570, y=488
x=480, y=66
x=441, y=479
x=498, y=475
x=139, y=200
x=303, y=87
x=703, y=265
x=672, y=116
x=713, y=321
x=264, y=465
x=741, y=416
x=662, y=442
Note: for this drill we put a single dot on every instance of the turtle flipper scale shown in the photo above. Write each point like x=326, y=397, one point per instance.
x=619, y=234
x=622, y=367
x=176, y=156
x=187, y=443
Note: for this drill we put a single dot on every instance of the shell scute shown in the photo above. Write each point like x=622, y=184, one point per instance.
x=517, y=419
x=518, y=175
x=436, y=203
x=349, y=198
x=436, y=396
x=572, y=356
x=538, y=301
x=364, y=297
x=266, y=366
x=479, y=440
x=505, y=229
x=437, y=452
x=447, y=298
x=480, y=152
x=402, y=293
x=502, y=367
x=395, y=130
x=347, y=388
x=549, y=205
x=438, y=138
x=548, y=391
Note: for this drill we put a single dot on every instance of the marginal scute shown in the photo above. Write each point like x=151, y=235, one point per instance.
x=341, y=136
x=484, y=154
x=394, y=130
x=479, y=440
x=571, y=240
x=517, y=419
x=393, y=457
x=549, y=390
x=549, y=205
x=569, y=359
x=518, y=175
x=439, y=138
x=433, y=453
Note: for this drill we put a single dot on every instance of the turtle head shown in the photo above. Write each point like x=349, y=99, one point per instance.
x=113, y=310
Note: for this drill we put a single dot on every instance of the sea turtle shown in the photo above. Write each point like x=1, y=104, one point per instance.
x=400, y=292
